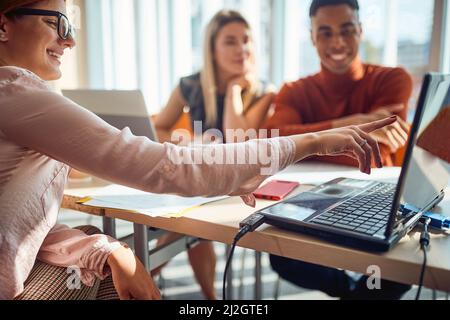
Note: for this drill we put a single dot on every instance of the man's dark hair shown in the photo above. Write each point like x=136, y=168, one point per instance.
x=317, y=4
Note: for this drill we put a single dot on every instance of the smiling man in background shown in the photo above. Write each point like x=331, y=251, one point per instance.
x=345, y=92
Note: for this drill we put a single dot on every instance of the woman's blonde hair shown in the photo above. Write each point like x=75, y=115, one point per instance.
x=208, y=73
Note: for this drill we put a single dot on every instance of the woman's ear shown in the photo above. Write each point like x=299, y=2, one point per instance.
x=3, y=28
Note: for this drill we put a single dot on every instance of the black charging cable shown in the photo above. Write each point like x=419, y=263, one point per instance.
x=248, y=225
x=424, y=245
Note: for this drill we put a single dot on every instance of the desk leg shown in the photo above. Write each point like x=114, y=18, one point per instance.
x=258, y=276
x=141, y=244
x=229, y=290
x=109, y=227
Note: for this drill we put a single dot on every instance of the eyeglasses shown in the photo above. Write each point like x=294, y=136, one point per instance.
x=65, y=29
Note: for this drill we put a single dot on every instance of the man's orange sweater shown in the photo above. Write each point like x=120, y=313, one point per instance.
x=312, y=103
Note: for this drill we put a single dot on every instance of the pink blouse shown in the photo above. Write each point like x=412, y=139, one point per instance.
x=43, y=134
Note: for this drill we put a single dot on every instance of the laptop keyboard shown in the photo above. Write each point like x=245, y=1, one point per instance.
x=367, y=213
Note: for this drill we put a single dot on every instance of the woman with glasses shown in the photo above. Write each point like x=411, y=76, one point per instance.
x=43, y=135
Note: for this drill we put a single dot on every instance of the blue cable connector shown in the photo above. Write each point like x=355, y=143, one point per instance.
x=438, y=221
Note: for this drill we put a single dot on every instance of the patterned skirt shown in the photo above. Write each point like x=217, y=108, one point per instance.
x=48, y=282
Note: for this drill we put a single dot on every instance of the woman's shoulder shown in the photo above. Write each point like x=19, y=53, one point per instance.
x=21, y=78
x=190, y=87
x=16, y=72
x=191, y=81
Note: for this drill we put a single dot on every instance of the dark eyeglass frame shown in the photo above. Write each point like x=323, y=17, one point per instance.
x=48, y=13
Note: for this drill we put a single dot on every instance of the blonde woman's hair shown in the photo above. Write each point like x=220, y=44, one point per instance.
x=208, y=73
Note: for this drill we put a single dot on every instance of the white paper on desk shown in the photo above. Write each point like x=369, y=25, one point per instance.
x=154, y=205
x=316, y=176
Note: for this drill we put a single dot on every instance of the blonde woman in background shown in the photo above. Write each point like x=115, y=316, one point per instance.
x=224, y=95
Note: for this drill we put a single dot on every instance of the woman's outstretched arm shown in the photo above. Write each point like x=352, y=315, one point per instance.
x=52, y=125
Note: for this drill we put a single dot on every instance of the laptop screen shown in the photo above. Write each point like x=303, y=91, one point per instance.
x=426, y=172
x=119, y=108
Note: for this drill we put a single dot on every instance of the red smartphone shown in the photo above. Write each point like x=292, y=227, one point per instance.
x=276, y=190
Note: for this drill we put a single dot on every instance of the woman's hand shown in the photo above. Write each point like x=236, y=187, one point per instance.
x=353, y=141
x=242, y=83
x=131, y=280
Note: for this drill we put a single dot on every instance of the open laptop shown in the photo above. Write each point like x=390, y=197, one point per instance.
x=119, y=108
x=369, y=215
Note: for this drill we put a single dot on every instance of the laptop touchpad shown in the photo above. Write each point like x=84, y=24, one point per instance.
x=336, y=190
x=303, y=206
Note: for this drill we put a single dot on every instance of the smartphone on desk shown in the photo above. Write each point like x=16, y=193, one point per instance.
x=276, y=190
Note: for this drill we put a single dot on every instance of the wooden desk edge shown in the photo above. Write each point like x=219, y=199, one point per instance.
x=313, y=250
x=71, y=202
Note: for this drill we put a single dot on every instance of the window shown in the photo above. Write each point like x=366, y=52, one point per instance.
x=151, y=44
x=399, y=33
x=445, y=64
x=414, y=37
x=73, y=74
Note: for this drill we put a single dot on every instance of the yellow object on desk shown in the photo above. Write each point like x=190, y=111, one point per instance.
x=154, y=205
